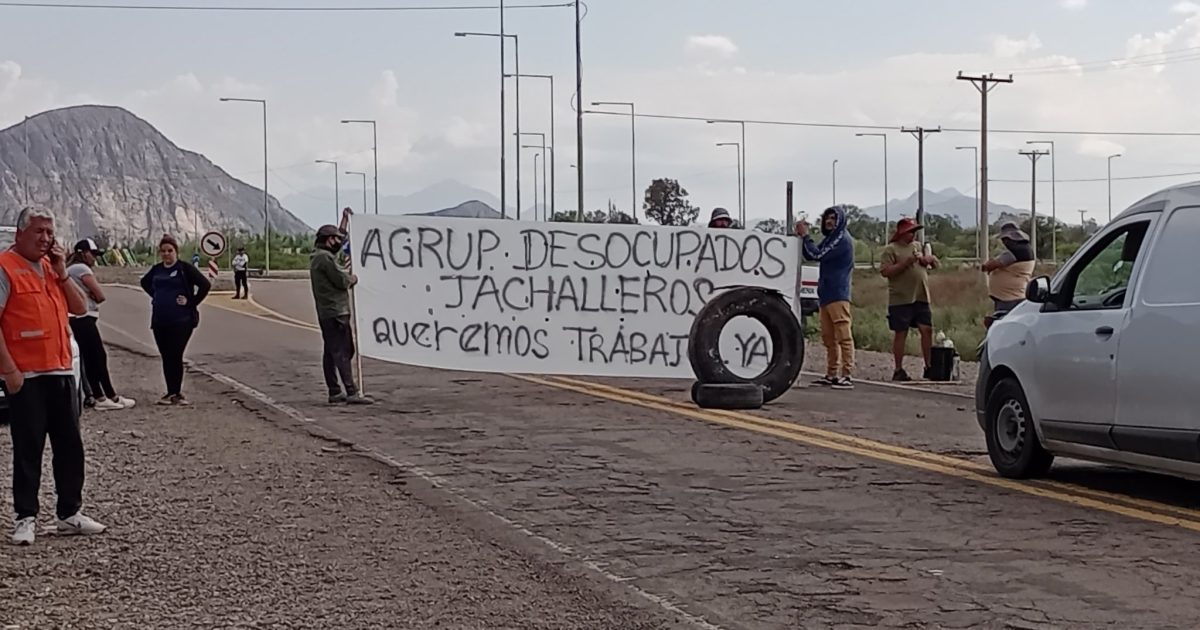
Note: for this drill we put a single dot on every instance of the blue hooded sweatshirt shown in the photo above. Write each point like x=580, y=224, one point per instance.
x=836, y=255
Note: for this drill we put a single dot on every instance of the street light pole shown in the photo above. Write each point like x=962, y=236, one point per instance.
x=542, y=136
x=886, y=200
x=1110, y=159
x=739, y=167
x=553, y=160
x=633, y=148
x=364, y=186
x=742, y=199
x=375, y=149
x=1053, y=200
x=835, y=182
x=266, y=195
x=337, y=195
x=503, y=76
x=980, y=246
x=535, y=176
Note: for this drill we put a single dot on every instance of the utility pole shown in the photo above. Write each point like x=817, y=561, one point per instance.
x=1110, y=159
x=1053, y=199
x=984, y=84
x=919, y=133
x=979, y=245
x=1082, y=223
x=886, y=228
x=1033, y=158
x=578, y=111
x=28, y=158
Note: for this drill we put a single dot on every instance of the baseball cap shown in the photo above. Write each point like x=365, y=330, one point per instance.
x=328, y=230
x=88, y=245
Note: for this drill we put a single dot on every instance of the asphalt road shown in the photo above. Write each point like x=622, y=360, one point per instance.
x=871, y=508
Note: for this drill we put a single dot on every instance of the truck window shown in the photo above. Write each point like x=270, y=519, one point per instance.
x=1164, y=282
x=1101, y=279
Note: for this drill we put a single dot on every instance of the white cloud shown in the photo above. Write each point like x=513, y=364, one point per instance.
x=711, y=46
x=1073, y=5
x=1185, y=7
x=1004, y=46
x=386, y=92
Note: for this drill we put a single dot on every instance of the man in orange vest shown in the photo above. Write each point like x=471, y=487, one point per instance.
x=36, y=294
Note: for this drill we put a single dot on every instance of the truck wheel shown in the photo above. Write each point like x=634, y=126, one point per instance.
x=769, y=309
x=1012, y=440
x=727, y=395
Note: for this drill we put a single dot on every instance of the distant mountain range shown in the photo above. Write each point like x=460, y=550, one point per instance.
x=949, y=202
x=444, y=195
x=106, y=173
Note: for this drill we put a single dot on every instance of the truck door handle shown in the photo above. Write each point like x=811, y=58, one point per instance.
x=1104, y=331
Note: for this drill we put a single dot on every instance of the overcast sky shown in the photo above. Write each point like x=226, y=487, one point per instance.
x=876, y=62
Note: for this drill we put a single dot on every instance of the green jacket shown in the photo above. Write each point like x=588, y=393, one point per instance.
x=330, y=285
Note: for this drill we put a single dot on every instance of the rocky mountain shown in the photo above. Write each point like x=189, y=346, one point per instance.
x=448, y=193
x=467, y=210
x=106, y=173
x=948, y=202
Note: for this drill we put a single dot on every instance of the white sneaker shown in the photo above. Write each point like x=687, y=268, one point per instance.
x=79, y=524
x=105, y=404
x=127, y=403
x=24, y=531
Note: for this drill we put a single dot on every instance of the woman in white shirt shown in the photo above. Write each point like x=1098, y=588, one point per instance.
x=87, y=331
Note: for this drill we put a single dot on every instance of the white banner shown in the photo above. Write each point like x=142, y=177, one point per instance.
x=555, y=298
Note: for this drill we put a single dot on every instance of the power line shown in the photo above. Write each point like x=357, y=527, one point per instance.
x=1160, y=58
x=791, y=123
x=1102, y=179
x=281, y=9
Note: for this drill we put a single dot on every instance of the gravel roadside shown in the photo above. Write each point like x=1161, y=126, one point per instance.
x=220, y=518
x=878, y=366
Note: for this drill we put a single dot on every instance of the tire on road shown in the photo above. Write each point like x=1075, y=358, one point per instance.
x=1012, y=440
x=771, y=310
x=727, y=395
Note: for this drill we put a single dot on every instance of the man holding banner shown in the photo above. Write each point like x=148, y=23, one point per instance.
x=331, y=294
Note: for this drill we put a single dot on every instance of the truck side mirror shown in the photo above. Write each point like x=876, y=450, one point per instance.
x=1038, y=290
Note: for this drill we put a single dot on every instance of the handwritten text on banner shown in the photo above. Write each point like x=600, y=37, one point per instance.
x=550, y=298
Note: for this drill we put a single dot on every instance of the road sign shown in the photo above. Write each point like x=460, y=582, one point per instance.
x=213, y=244
x=213, y=270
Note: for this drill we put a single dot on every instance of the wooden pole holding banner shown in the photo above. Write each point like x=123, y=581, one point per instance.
x=344, y=227
x=791, y=217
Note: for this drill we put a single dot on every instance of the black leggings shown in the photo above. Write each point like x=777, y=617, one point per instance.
x=93, y=355
x=172, y=341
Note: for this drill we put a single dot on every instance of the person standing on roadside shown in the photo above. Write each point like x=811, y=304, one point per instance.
x=87, y=331
x=36, y=297
x=720, y=219
x=331, y=295
x=906, y=268
x=836, y=256
x=1009, y=272
x=241, y=270
x=176, y=290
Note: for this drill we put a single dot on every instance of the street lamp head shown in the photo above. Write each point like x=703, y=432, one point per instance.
x=460, y=34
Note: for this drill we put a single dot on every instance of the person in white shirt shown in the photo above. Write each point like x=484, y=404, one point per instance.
x=87, y=333
x=241, y=263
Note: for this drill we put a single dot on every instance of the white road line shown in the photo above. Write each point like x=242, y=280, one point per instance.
x=443, y=484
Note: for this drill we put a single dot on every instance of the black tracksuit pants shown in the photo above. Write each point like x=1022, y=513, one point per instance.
x=46, y=406
x=93, y=356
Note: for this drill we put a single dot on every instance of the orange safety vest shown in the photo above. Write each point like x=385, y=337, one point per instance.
x=34, y=322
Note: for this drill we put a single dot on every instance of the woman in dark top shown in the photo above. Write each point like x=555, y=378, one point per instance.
x=176, y=289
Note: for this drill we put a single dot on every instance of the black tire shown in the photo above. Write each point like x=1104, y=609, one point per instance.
x=727, y=395
x=1012, y=440
x=769, y=309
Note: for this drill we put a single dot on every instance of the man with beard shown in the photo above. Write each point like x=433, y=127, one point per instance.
x=836, y=256
x=331, y=294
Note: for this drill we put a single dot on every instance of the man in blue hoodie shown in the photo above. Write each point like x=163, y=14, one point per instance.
x=836, y=255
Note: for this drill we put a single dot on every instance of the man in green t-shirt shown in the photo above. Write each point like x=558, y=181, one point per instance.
x=906, y=268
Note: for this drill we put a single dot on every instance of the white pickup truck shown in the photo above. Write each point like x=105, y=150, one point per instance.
x=7, y=235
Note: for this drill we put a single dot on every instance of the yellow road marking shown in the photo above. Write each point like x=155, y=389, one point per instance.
x=878, y=455
x=935, y=458
x=1133, y=506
